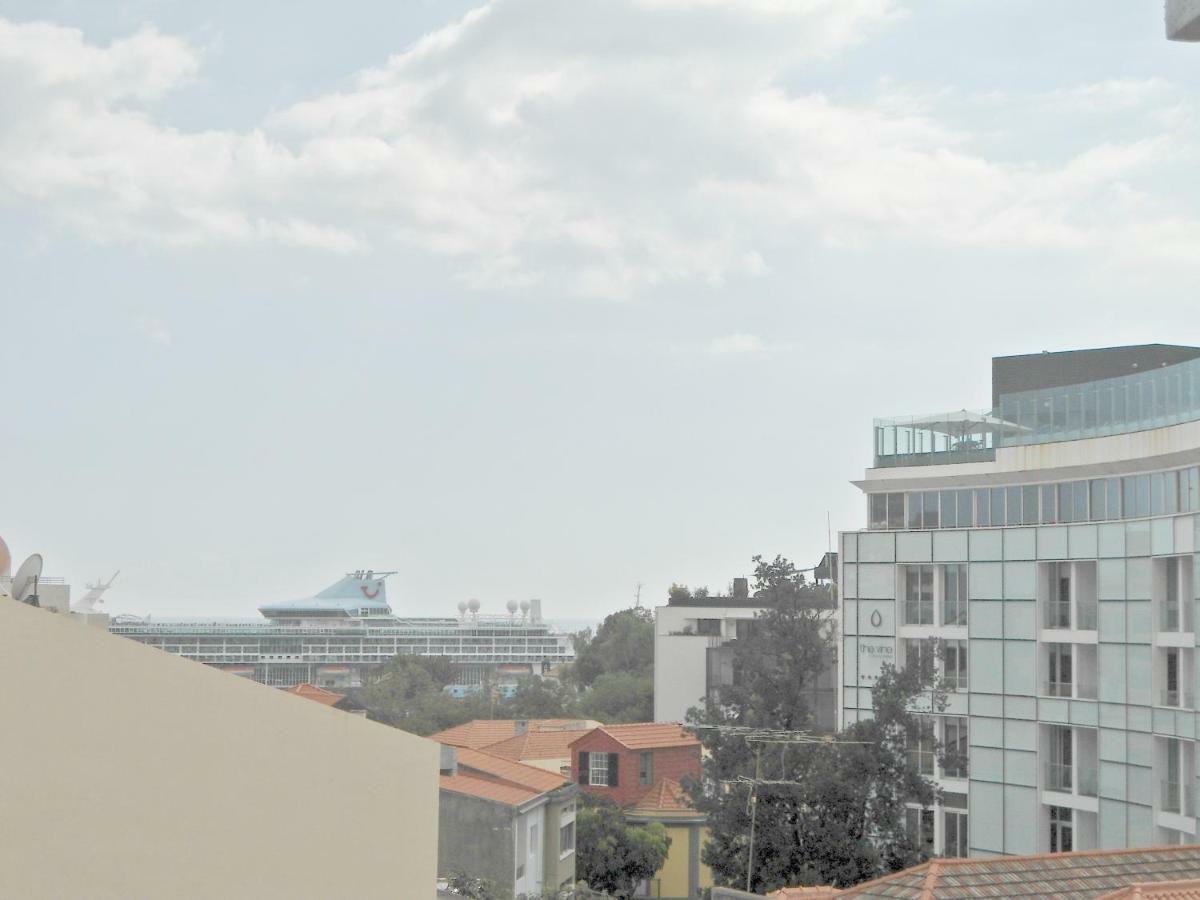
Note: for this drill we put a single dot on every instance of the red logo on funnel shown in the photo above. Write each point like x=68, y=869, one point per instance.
x=367, y=593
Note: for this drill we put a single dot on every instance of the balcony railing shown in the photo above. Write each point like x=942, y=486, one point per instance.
x=954, y=613
x=1176, y=798
x=1059, y=689
x=1171, y=618
x=1070, y=779
x=918, y=612
x=1058, y=614
x=1177, y=699
x=1085, y=616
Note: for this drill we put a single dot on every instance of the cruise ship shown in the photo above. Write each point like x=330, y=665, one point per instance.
x=336, y=637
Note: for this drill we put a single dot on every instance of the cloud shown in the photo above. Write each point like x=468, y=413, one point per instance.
x=602, y=148
x=735, y=344
x=155, y=331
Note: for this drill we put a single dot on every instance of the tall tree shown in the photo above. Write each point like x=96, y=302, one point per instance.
x=610, y=853
x=624, y=642
x=827, y=812
x=406, y=692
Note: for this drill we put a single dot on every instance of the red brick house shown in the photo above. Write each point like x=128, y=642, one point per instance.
x=622, y=762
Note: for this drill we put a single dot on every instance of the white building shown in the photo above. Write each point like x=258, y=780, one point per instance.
x=1050, y=545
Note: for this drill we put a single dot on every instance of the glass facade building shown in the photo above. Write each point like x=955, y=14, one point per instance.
x=1046, y=552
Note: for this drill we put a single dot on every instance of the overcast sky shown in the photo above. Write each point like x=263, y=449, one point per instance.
x=537, y=298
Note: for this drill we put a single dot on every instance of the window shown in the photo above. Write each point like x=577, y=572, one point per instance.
x=566, y=838
x=920, y=747
x=1049, y=504
x=1171, y=605
x=949, y=514
x=522, y=847
x=954, y=665
x=1014, y=506
x=1058, y=670
x=955, y=747
x=919, y=824
x=710, y=627
x=1029, y=505
x=1059, y=769
x=1061, y=832
x=997, y=517
x=877, y=507
x=954, y=594
x=895, y=511
x=918, y=652
x=918, y=595
x=598, y=768
x=956, y=834
x=1171, y=684
x=1058, y=606
x=646, y=768
x=982, y=507
x=964, y=508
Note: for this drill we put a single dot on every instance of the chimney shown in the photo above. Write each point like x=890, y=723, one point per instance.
x=521, y=726
x=535, y=612
x=449, y=763
x=741, y=589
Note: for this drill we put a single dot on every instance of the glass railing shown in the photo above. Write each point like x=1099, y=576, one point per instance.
x=954, y=613
x=1058, y=689
x=1171, y=618
x=1058, y=614
x=1176, y=798
x=1059, y=777
x=1155, y=398
x=918, y=612
x=1164, y=396
x=1177, y=699
x=1085, y=616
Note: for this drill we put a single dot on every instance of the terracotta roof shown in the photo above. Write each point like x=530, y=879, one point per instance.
x=665, y=795
x=1162, y=890
x=540, y=744
x=530, y=777
x=1087, y=873
x=312, y=692
x=823, y=892
x=486, y=789
x=647, y=735
x=480, y=733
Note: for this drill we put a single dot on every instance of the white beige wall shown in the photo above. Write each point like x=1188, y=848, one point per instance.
x=128, y=772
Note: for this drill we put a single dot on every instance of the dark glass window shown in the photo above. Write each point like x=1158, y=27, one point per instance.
x=877, y=504
x=964, y=509
x=1014, y=506
x=895, y=514
x=930, y=517
x=1029, y=504
x=1099, y=500
x=1049, y=504
x=949, y=509
x=997, y=506
x=914, y=511
x=982, y=507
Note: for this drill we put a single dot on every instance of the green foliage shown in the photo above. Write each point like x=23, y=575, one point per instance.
x=406, y=692
x=613, y=855
x=619, y=697
x=624, y=642
x=476, y=888
x=538, y=698
x=839, y=818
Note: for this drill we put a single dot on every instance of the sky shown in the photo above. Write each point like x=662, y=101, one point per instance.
x=542, y=299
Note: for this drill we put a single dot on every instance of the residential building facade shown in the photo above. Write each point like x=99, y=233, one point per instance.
x=505, y=821
x=694, y=644
x=1045, y=551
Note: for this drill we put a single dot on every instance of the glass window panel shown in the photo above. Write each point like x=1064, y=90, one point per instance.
x=1029, y=504
x=895, y=511
x=1045, y=415
x=1113, y=508
x=1081, y=501
x=1129, y=490
x=1091, y=406
x=1104, y=408
x=929, y=519
x=1060, y=412
x=964, y=509
x=1157, y=485
x=1074, y=411
x=1143, y=495
x=1099, y=496
x=1170, y=492
x=997, y=506
x=1049, y=504
x=983, y=507
x=1119, y=414
x=877, y=510
x=1135, y=402
x=949, y=509
x=1066, y=502
x=1014, y=506
x=914, y=511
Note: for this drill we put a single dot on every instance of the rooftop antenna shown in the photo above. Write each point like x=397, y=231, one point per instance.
x=25, y=582
x=637, y=596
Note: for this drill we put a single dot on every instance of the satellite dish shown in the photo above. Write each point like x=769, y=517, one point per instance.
x=24, y=583
x=524, y=607
x=473, y=606
x=512, y=607
x=462, y=607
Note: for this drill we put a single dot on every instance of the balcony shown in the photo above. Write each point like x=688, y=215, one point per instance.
x=1176, y=798
x=961, y=436
x=1070, y=779
x=1176, y=699
x=1076, y=690
x=1058, y=614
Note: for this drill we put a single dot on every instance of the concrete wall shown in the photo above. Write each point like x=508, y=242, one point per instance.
x=475, y=837
x=129, y=772
x=556, y=867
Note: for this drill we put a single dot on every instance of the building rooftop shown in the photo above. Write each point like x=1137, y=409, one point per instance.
x=552, y=743
x=1163, y=890
x=1050, y=876
x=486, y=789
x=480, y=733
x=312, y=692
x=666, y=795
x=485, y=765
x=648, y=735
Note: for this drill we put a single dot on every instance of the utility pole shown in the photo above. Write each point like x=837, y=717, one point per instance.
x=753, y=812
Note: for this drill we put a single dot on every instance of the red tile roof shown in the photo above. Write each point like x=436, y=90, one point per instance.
x=486, y=789
x=532, y=778
x=1161, y=890
x=1050, y=876
x=822, y=892
x=540, y=744
x=648, y=735
x=665, y=795
x=480, y=733
x=312, y=692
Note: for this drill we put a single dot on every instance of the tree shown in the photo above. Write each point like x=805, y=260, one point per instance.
x=610, y=853
x=539, y=698
x=619, y=697
x=624, y=642
x=827, y=812
x=406, y=692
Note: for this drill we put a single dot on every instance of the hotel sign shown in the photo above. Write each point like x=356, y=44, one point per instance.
x=873, y=654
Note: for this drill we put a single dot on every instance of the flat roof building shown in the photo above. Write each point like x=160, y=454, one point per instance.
x=1048, y=545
